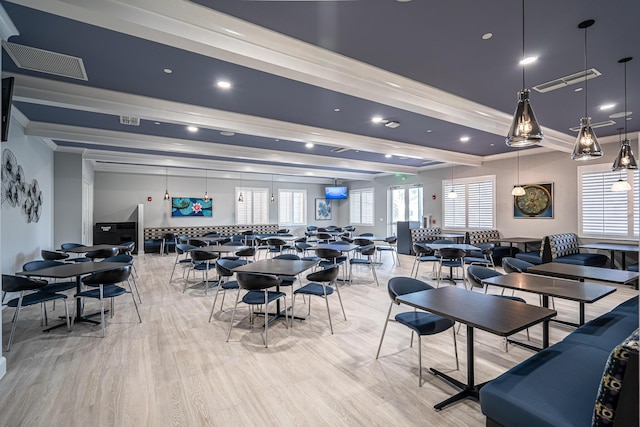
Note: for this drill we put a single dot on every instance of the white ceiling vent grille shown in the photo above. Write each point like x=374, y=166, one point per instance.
x=130, y=121
x=44, y=61
x=567, y=80
x=339, y=150
x=595, y=125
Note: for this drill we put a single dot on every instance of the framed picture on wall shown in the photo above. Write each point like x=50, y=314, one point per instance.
x=191, y=206
x=537, y=202
x=323, y=209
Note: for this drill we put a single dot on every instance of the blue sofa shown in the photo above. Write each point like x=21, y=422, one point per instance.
x=563, y=248
x=570, y=383
x=482, y=237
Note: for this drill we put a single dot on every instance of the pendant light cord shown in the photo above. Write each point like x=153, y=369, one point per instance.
x=518, y=165
x=586, y=91
x=523, y=66
x=625, y=100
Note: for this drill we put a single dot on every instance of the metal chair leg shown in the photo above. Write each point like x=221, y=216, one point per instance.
x=384, y=329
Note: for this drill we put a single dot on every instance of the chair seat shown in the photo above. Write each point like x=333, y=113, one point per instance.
x=204, y=266
x=257, y=297
x=109, y=291
x=232, y=284
x=287, y=280
x=384, y=248
x=477, y=260
x=36, y=298
x=314, y=289
x=231, y=258
x=360, y=261
x=454, y=263
x=184, y=261
x=424, y=323
x=324, y=264
x=429, y=258
x=58, y=287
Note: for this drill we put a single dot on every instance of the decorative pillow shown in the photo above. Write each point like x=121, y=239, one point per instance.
x=612, y=379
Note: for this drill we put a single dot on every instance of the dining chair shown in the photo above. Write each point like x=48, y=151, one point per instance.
x=515, y=265
x=452, y=258
x=482, y=257
x=201, y=261
x=276, y=245
x=258, y=293
x=320, y=286
x=53, y=255
x=369, y=252
x=168, y=239
x=52, y=287
x=30, y=293
x=329, y=257
x=423, y=254
x=102, y=253
x=391, y=246
x=127, y=259
x=287, y=280
x=185, y=262
x=302, y=250
x=77, y=258
x=421, y=323
x=105, y=286
x=127, y=248
x=224, y=268
x=478, y=273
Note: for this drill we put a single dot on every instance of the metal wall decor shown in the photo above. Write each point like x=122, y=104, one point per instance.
x=16, y=191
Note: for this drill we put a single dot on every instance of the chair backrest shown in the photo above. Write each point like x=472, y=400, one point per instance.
x=328, y=274
x=249, y=251
x=368, y=250
x=360, y=241
x=197, y=242
x=366, y=235
x=257, y=281
x=224, y=266
x=311, y=228
x=170, y=236
x=127, y=247
x=477, y=273
x=346, y=239
x=291, y=257
x=324, y=236
x=515, y=265
x=487, y=248
x=40, y=264
x=19, y=283
x=212, y=235
x=391, y=240
x=398, y=286
x=276, y=241
x=328, y=253
x=120, y=258
x=108, y=277
x=302, y=239
x=184, y=247
x=53, y=255
x=103, y=253
x=248, y=232
x=422, y=250
x=71, y=245
x=283, y=231
x=197, y=255
x=451, y=253
x=301, y=247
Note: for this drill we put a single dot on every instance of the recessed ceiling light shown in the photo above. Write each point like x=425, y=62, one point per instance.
x=388, y=156
x=277, y=140
x=429, y=131
x=465, y=139
x=336, y=109
x=168, y=70
x=528, y=60
x=376, y=119
x=403, y=1
x=607, y=106
x=235, y=33
x=620, y=114
x=309, y=145
x=192, y=128
x=578, y=89
x=222, y=84
x=156, y=123
x=487, y=36
x=482, y=113
x=226, y=133
x=491, y=145
x=393, y=84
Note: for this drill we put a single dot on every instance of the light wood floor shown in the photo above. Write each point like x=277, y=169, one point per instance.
x=175, y=369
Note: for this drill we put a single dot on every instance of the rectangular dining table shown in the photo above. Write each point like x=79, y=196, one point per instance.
x=524, y=240
x=76, y=270
x=489, y=313
x=277, y=267
x=613, y=248
x=584, y=272
x=85, y=249
x=582, y=292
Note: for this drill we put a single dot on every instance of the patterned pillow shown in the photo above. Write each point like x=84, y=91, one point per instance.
x=612, y=379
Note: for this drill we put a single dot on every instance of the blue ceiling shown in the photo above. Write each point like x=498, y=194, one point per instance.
x=438, y=44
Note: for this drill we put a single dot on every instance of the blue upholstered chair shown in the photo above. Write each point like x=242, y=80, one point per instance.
x=319, y=286
x=224, y=268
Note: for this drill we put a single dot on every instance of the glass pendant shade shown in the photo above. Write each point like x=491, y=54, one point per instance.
x=166, y=184
x=620, y=186
x=241, y=197
x=625, y=158
x=518, y=191
x=587, y=146
x=166, y=195
x=452, y=195
x=524, y=130
x=206, y=197
x=273, y=199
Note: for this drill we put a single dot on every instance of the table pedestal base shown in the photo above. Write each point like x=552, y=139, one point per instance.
x=79, y=319
x=466, y=391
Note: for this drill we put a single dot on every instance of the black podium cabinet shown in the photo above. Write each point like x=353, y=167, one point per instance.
x=115, y=233
x=404, y=236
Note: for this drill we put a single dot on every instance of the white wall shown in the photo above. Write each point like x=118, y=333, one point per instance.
x=68, y=213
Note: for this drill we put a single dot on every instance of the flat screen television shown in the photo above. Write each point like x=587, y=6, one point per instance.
x=335, y=193
x=7, y=96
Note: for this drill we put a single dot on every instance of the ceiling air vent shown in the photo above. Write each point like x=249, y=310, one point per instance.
x=567, y=80
x=595, y=125
x=339, y=150
x=130, y=121
x=44, y=61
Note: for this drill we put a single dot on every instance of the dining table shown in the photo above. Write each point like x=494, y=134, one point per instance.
x=585, y=272
x=77, y=270
x=100, y=247
x=518, y=240
x=613, y=248
x=489, y=313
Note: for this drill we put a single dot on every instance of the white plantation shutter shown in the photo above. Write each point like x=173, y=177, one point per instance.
x=475, y=205
x=254, y=208
x=636, y=203
x=292, y=207
x=604, y=212
x=361, y=207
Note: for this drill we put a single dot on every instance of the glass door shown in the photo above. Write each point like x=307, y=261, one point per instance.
x=406, y=205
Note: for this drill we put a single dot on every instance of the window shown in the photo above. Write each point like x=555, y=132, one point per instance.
x=474, y=206
x=406, y=205
x=254, y=209
x=604, y=213
x=361, y=207
x=292, y=207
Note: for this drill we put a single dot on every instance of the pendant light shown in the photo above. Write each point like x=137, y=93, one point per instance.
x=206, y=194
x=586, y=146
x=518, y=190
x=620, y=185
x=452, y=194
x=273, y=199
x=625, y=158
x=524, y=130
x=241, y=197
x=166, y=184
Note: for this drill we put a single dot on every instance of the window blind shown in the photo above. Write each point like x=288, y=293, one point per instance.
x=361, y=207
x=254, y=209
x=604, y=212
x=292, y=207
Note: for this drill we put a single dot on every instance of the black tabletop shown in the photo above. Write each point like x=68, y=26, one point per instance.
x=621, y=247
x=73, y=269
x=518, y=240
x=220, y=249
x=578, y=272
x=490, y=313
x=84, y=249
x=278, y=267
x=334, y=246
x=554, y=287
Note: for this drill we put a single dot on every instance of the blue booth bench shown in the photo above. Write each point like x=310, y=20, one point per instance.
x=483, y=237
x=589, y=378
x=563, y=248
